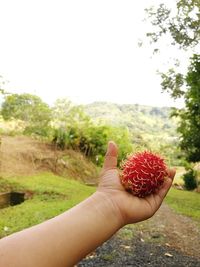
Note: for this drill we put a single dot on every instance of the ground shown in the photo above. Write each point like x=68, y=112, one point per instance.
x=167, y=239
x=21, y=155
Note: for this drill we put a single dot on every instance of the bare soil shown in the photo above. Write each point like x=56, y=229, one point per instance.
x=21, y=155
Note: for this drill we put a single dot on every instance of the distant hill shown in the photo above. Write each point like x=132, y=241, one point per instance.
x=138, y=117
x=151, y=123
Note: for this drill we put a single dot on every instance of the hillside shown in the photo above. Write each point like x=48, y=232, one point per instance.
x=21, y=155
x=138, y=118
x=151, y=127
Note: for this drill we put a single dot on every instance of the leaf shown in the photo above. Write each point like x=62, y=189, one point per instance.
x=168, y=255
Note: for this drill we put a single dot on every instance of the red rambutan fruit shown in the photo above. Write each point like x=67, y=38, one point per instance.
x=143, y=173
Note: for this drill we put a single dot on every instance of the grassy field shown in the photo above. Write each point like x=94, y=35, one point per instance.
x=50, y=196
x=185, y=202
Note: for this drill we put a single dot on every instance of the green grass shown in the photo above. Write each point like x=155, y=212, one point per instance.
x=52, y=195
x=127, y=232
x=185, y=202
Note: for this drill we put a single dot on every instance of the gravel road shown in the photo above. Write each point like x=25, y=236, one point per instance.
x=166, y=240
x=136, y=253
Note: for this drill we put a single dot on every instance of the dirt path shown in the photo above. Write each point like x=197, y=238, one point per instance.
x=167, y=239
x=179, y=231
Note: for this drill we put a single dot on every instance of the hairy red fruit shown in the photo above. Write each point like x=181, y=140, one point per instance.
x=143, y=173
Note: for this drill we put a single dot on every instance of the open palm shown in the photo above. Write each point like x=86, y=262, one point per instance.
x=130, y=208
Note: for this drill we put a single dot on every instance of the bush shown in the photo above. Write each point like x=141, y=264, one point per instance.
x=60, y=138
x=92, y=140
x=190, y=179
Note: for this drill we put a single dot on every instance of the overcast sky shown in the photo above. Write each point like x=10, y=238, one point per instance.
x=84, y=50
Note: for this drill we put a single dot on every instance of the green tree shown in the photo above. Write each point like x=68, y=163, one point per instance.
x=91, y=139
x=181, y=28
x=70, y=122
x=189, y=126
x=65, y=114
x=181, y=23
x=30, y=109
x=61, y=112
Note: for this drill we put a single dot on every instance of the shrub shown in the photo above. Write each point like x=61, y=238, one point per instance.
x=190, y=179
x=92, y=140
x=60, y=138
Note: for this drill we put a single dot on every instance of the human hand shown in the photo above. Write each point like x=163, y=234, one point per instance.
x=129, y=208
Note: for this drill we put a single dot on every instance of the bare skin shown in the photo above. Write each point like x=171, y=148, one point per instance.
x=67, y=238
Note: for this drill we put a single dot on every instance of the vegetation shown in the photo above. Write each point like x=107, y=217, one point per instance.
x=48, y=196
x=180, y=26
x=66, y=115
x=74, y=129
x=149, y=127
x=189, y=127
x=30, y=109
x=183, y=27
x=92, y=141
x=184, y=202
x=190, y=179
x=189, y=123
x=89, y=128
x=138, y=118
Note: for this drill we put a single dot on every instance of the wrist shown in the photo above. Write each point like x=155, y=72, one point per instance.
x=105, y=204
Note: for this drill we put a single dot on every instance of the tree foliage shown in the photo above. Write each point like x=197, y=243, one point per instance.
x=90, y=138
x=88, y=129
x=149, y=127
x=30, y=109
x=66, y=115
x=173, y=82
x=182, y=28
x=189, y=127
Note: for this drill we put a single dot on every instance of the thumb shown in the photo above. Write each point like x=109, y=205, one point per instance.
x=110, y=161
x=167, y=184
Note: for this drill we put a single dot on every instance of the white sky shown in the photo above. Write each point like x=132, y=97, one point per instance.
x=84, y=50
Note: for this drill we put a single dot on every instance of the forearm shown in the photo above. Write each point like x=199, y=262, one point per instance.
x=65, y=239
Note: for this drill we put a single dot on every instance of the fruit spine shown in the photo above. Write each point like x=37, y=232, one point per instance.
x=143, y=173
